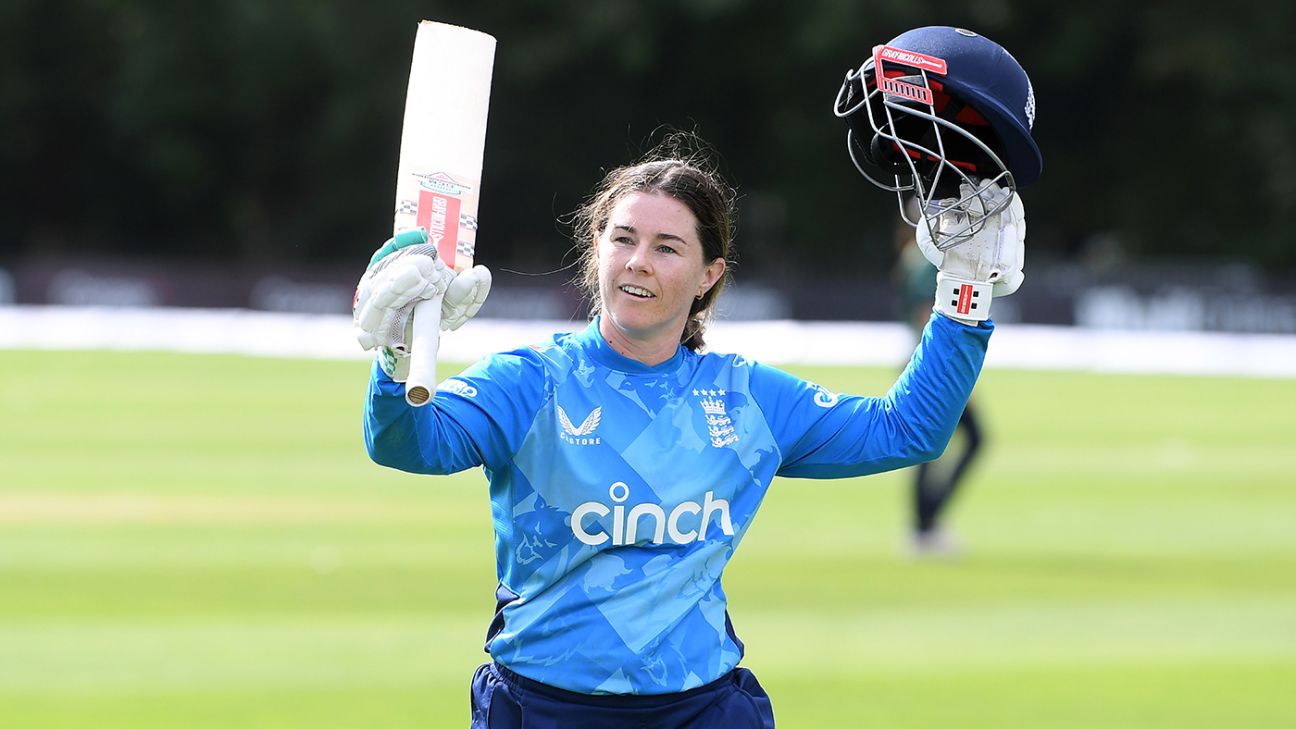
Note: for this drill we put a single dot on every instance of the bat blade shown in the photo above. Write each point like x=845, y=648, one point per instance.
x=438, y=179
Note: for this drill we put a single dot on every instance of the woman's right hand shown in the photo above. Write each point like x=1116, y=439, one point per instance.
x=403, y=272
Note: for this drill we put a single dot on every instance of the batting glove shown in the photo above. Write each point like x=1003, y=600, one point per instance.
x=988, y=263
x=466, y=293
x=402, y=272
x=464, y=297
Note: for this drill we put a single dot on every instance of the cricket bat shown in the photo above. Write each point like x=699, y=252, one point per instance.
x=438, y=179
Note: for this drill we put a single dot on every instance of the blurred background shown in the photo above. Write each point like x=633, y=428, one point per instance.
x=190, y=539
x=243, y=153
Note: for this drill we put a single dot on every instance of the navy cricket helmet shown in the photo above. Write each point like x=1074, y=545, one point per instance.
x=939, y=106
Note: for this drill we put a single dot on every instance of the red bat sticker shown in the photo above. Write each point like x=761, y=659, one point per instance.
x=439, y=216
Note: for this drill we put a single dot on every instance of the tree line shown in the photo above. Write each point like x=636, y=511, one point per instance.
x=269, y=131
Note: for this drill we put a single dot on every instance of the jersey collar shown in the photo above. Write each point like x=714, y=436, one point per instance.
x=593, y=343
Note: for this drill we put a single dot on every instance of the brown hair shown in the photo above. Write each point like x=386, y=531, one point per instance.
x=687, y=176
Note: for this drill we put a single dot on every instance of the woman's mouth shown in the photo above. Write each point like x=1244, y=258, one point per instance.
x=637, y=292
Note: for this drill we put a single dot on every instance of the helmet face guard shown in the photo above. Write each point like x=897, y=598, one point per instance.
x=916, y=129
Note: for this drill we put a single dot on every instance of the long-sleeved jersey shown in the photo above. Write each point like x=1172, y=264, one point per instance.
x=620, y=491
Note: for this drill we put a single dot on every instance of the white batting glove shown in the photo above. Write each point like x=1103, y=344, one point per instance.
x=464, y=297
x=985, y=265
x=404, y=271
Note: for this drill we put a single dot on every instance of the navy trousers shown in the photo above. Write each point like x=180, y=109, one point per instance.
x=501, y=699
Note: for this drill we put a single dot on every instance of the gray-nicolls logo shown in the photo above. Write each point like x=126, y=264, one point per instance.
x=584, y=433
x=719, y=426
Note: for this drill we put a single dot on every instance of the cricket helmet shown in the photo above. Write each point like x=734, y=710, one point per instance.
x=936, y=107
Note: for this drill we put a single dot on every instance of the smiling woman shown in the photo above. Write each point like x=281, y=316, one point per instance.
x=652, y=281
x=657, y=240
x=626, y=463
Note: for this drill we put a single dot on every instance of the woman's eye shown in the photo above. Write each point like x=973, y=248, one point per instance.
x=665, y=249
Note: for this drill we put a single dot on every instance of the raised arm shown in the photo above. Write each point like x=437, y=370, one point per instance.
x=827, y=435
x=458, y=429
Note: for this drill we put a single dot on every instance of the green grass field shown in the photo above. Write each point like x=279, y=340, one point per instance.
x=196, y=541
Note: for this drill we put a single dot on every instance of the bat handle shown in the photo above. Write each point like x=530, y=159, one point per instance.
x=423, y=345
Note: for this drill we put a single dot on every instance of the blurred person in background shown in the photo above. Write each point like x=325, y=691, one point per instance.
x=626, y=465
x=934, y=482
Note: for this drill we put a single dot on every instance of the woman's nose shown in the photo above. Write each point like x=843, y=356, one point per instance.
x=638, y=260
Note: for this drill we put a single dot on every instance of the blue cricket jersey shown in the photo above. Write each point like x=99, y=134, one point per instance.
x=619, y=491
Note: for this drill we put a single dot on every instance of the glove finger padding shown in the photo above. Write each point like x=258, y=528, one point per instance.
x=464, y=297
x=1005, y=266
x=989, y=261
x=1007, y=272
x=991, y=253
x=387, y=293
x=928, y=247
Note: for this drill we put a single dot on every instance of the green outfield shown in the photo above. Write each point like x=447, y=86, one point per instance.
x=199, y=541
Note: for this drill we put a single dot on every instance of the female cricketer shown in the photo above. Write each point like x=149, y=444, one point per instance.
x=626, y=464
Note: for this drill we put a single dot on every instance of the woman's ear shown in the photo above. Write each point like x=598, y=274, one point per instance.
x=714, y=271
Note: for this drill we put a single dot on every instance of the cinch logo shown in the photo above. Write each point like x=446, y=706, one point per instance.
x=580, y=435
x=625, y=527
